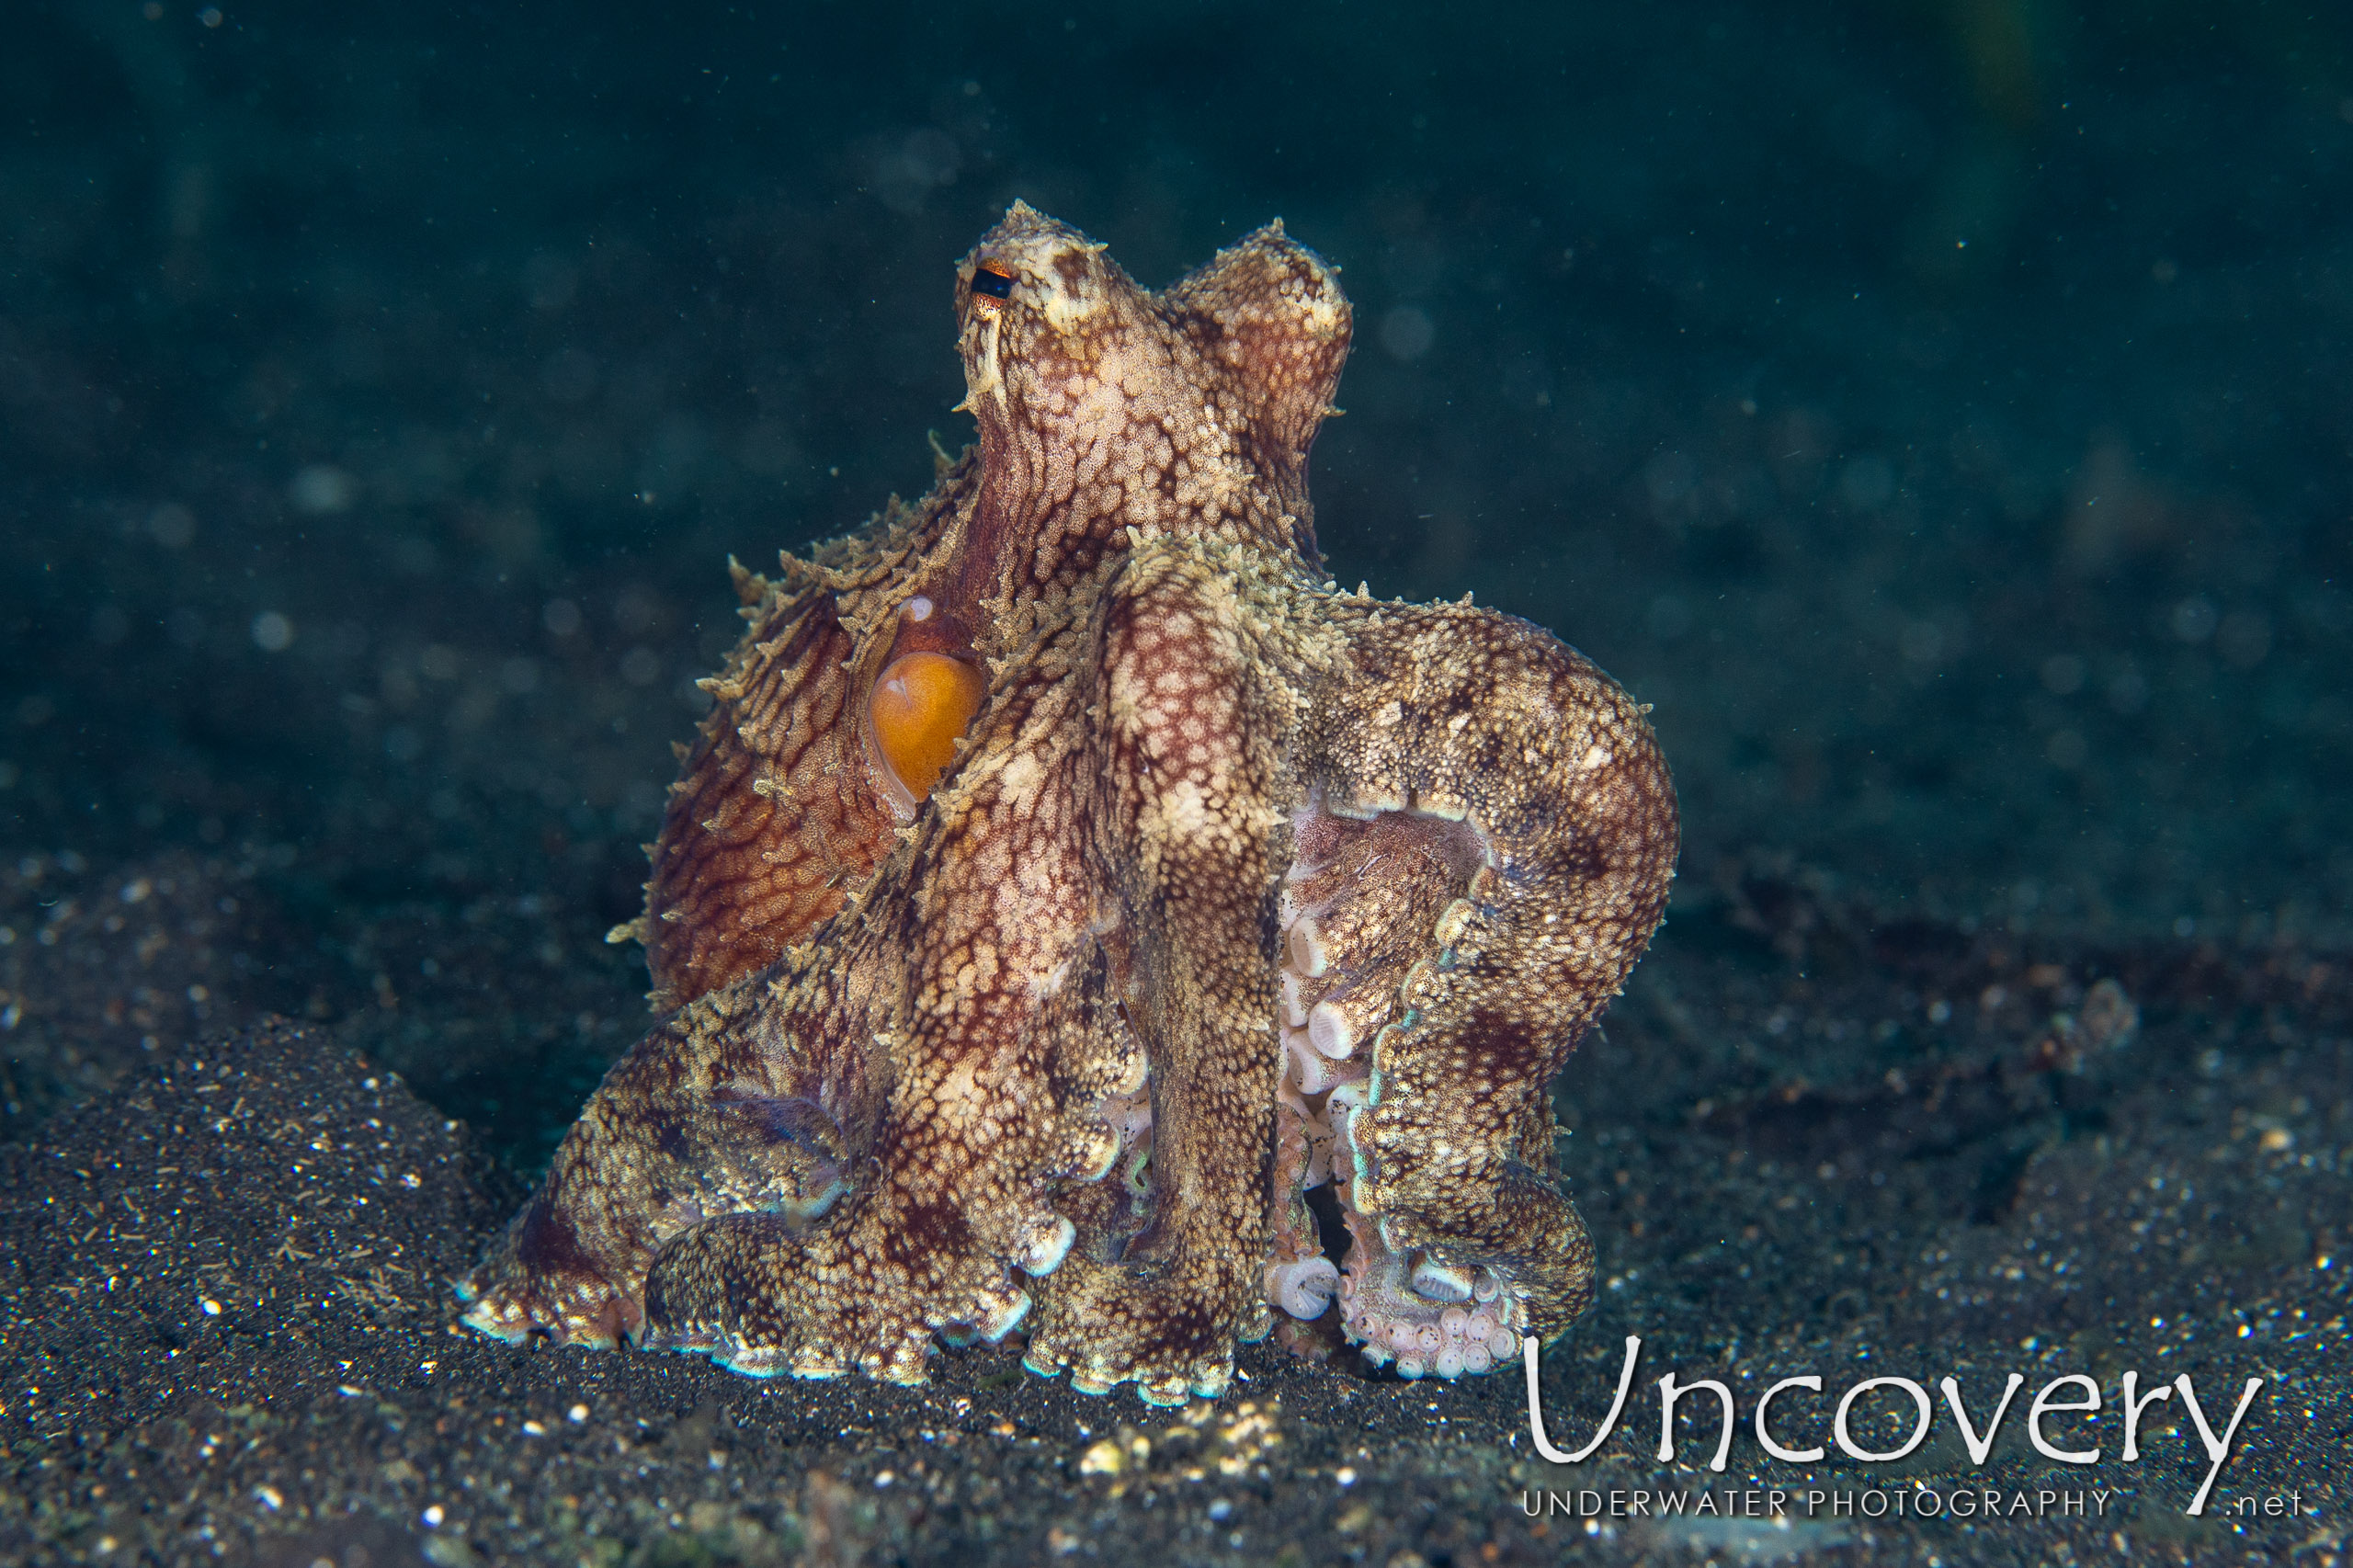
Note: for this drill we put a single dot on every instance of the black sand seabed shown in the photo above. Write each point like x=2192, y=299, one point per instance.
x=1937, y=411
x=229, y=1324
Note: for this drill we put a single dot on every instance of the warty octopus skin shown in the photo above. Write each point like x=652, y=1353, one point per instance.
x=1236, y=885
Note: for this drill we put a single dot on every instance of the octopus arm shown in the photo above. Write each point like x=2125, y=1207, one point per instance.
x=1190, y=753
x=1465, y=715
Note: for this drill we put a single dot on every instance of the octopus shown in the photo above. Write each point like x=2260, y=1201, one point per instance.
x=1077, y=916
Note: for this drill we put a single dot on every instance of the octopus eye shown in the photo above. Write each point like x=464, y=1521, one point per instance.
x=918, y=709
x=987, y=279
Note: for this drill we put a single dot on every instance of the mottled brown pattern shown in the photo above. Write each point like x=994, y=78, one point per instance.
x=1240, y=885
x=773, y=819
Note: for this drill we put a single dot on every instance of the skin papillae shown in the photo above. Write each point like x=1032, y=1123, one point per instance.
x=1238, y=884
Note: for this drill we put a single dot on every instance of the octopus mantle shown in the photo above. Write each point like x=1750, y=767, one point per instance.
x=1233, y=887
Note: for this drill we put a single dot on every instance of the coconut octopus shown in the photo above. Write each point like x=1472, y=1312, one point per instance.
x=1069, y=880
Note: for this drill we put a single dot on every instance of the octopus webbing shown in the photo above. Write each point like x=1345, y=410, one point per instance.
x=1069, y=879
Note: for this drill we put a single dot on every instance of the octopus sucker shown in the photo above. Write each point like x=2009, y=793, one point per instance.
x=1069, y=880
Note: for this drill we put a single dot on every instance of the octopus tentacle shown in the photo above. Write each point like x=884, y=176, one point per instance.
x=1491, y=723
x=1362, y=901
x=1190, y=752
x=716, y=1112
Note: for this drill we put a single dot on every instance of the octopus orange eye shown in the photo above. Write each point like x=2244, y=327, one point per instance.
x=919, y=708
x=987, y=279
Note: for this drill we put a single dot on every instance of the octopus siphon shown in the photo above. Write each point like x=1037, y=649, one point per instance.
x=1077, y=915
